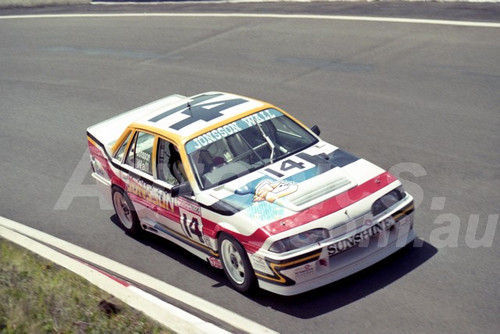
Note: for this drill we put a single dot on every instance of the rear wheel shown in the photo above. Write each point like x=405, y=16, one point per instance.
x=125, y=211
x=236, y=264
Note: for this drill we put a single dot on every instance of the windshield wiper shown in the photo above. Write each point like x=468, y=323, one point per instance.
x=269, y=142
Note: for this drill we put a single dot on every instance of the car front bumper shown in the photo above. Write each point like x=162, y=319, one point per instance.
x=337, y=259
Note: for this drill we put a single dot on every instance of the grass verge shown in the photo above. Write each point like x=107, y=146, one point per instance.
x=38, y=296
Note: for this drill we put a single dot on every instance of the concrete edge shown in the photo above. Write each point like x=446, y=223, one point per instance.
x=166, y=314
x=231, y=318
x=44, y=3
x=41, y=3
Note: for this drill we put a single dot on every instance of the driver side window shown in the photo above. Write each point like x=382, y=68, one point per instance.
x=169, y=165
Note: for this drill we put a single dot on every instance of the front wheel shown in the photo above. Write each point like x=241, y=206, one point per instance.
x=125, y=211
x=236, y=264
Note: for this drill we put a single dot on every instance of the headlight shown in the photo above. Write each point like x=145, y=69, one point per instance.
x=388, y=200
x=299, y=240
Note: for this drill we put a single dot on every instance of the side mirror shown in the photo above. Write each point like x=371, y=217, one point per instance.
x=182, y=189
x=315, y=129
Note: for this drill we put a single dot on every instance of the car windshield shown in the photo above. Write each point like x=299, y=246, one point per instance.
x=238, y=148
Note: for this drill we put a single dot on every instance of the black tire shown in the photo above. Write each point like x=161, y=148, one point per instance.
x=125, y=212
x=236, y=264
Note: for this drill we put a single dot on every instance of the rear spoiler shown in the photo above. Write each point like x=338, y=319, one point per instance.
x=108, y=131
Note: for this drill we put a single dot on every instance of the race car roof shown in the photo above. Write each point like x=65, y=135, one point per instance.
x=192, y=114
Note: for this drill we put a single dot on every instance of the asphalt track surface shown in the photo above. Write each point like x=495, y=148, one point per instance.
x=419, y=99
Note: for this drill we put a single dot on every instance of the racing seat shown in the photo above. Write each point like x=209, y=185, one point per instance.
x=175, y=165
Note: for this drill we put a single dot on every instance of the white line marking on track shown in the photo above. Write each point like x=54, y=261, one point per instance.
x=277, y=16
x=178, y=320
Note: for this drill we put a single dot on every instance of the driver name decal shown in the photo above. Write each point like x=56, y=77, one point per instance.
x=230, y=129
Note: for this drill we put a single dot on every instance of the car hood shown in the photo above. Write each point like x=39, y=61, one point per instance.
x=295, y=183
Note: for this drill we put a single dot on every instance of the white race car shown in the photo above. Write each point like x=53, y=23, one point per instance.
x=251, y=190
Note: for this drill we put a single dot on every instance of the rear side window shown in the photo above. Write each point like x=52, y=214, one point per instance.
x=121, y=151
x=140, y=152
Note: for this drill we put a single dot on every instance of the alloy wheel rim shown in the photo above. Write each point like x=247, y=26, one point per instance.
x=233, y=262
x=123, y=210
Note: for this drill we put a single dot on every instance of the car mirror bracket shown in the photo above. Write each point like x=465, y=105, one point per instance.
x=182, y=189
x=315, y=129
